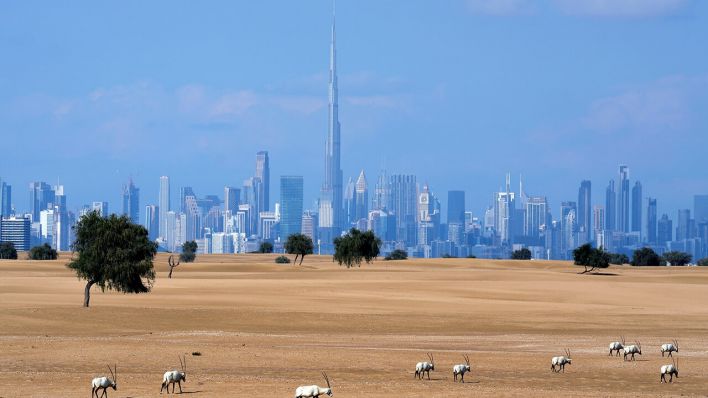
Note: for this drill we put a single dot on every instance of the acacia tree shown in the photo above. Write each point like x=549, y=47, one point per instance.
x=521, y=254
x=8, y=251
x=114, y=254
x=189, y=251
x=645, y=257
x=591, y=258
x=265, y=247
x=677, y=258
x=356, y=246
x=43, y=252
x=299, y=245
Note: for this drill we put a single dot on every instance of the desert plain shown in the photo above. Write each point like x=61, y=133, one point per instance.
x=262, y=329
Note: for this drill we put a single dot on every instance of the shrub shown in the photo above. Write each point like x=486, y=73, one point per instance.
x=448, y=255
x=645, y=257
x=397, y=254
x=265, y=247
x=8, y=251
x=282, y=260
x=521, y=254
x=43, y=252
x=471, y=256
x=618, y=259
x=703, y=262
x=676, y=258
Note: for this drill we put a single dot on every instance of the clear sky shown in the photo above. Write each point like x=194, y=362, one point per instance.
x=457, y=92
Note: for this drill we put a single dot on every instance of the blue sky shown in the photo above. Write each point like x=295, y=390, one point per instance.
x=457, y=92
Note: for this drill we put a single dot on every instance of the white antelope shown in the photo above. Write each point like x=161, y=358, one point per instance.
x=632, y=349
x=175, y=376
x=671, y=370
x=561, y=361
x=670, y=348
x=617, y=346
x=314, y=391
x=424, y=367
x=460, y=370
x=102, y=383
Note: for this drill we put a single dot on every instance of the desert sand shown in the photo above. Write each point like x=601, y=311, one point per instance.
x=263, y=329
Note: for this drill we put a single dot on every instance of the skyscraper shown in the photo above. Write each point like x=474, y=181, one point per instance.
x=101, y=208
x=665, y=230
x=585, y=211
x=598, y=216
x=231, y=199
x=683, y=228
x=651, y=221
x=456, y=207
x=403, y=200
x=611, y=207
x=41, y=196
x=330, y=213
x=536, y=215
x=504, y=207
x=637, y=207
x=350, y=202
x=17, y=231
x=623, y=200
x=382, y=192
x=152, y=221
x=164, y=205
x=5, y=199
x=131, y=201
x=291, y=198
x=700, y=209
x=362, y=197
x=568, y=227
x=263, y=175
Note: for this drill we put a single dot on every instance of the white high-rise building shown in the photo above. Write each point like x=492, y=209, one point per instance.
x=164, y=206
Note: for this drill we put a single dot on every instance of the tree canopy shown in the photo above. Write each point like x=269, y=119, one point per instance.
x=677, y=258
x=397, y=254
x=114, y=254
x=265, y=247
x=43, y=252
x=703, y=262
x=618, y=259
x=189, y=251
x=299, y=245
x=591, y=258
x=645, y=257
x=521, y=254
x=8, y=251
x=355, y=246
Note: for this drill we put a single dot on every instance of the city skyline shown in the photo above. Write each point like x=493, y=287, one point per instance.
x=644, y=102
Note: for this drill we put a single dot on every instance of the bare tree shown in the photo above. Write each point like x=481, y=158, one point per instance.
x=171, y=263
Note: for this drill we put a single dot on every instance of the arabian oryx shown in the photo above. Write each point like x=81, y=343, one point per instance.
x=175, y=376
x=635, y=348
x=314, y=391
x=671, y=370
x=424, y=367
x=617, y=346
x=102, y=383
x=670, y=348
x=561, y=361
x=460, y=370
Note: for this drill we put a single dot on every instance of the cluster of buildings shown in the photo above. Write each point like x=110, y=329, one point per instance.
x=403, y=213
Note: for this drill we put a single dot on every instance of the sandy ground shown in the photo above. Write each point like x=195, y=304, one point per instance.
x=263, y=329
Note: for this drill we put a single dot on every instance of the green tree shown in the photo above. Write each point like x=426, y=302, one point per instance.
x=43, y=252
x=189, y=251
x=8, y=251
x=591, y=258
x=114, y=254
x=299, y=245
x=703, y=262
x=521, y=254
x=265, y=247
x=677, y=258
x=618, y=259
x=355, y=246
x=397, y=254
x=645, y=257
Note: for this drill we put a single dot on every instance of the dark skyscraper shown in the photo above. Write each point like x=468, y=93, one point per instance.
x=291, y=198
x=700, y=209
x=263, y=175
x=610, y=207
x=456, y=207
x=41, y=196
x=651, y=221
x=623, y=200
x=403, y=202
x=665, y=230
x=331, y=209
x=131, y=201
x=637, y=207
x=585, y=212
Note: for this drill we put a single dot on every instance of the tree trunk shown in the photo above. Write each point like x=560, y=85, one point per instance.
x=87, y=293
x=302, y=257
x=170, y=274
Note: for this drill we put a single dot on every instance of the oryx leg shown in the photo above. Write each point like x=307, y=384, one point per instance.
x=179, y=383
